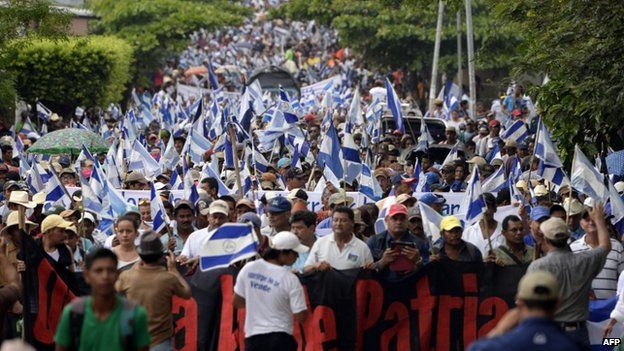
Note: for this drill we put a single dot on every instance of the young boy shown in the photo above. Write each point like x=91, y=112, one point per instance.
x=95, y=322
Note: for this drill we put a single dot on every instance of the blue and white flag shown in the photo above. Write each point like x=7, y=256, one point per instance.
x=394, y=104
x=355, y=110
x=55, y=192
x=586, y=179
x=431, y=221
x=157, y=210
x=29, y=130
x=289, y=114
x=616, y=204
x=330, y=153
x=451, y=157
x=353, y=164
x=170, y=158
x=425, y=139
x=369, y=186
x=230, y=243
x=495, y=182
x=141, y=161
x=90, y=198
x=175, y=182
x=196, y=145
x=35, y=178
x=43, y=112
x=493, y=154
x=209, y=172
x=518, y=131
x=550, y=167
x=473, y=205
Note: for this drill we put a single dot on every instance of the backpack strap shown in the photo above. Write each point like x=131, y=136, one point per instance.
x=76, y=317
x=127, y=324
x=510, y=254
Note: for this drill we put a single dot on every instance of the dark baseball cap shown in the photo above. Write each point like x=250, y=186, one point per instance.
x=279, y=204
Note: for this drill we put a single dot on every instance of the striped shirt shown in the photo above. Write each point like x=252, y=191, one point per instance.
x=604, y=285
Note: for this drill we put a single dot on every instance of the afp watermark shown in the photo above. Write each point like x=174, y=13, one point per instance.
x=611, y=341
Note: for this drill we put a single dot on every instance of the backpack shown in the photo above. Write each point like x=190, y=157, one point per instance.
x=76, y=318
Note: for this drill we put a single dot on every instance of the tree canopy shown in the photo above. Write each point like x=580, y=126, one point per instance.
x=578, y=44
x=158, y=29
x=27, y=19
x=399, y=33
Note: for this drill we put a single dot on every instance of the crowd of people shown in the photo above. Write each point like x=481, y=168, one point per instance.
x=378, y=220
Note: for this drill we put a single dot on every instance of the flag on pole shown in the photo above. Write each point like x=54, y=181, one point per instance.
x=142, y=162
x=330, y=153
x=495, y=182
x=230, y=243
x=43, y=112
x=586, y=179
x=157, y=210
x=550, y=167
x=431, y=221
x=473, y=204
x=394, y=104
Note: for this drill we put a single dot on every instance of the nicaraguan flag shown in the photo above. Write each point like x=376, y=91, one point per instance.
x=431, y=221
x=369, y=185
x=586, y=179
x=141, y=161
x=425, y=139
x=394, y=104
x=351, y=156
x=451, y=157
x=157, y=210
x=473, y=204
x=495, y=182
x=550, y=167
x=209, y=172
x=175, y=182
x=518, y=131
x=330, y=153
x=43, y=112
x=230, y=243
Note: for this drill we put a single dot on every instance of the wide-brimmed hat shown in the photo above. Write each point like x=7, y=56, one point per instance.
x=19, y=197
x=13, y=220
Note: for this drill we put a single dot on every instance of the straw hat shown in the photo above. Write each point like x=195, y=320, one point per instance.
x=19, y=197
x=13, y=219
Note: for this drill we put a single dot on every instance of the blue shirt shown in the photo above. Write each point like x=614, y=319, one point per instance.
x=535, y=334
x=325, y=224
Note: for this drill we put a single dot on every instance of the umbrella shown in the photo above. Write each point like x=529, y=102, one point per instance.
x=615, y=163
x=68, y=141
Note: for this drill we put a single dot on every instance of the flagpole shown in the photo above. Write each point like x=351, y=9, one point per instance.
x=537, y=133
x=471, y=68
x=236, y=165
x=460, y=71
x=436, y=54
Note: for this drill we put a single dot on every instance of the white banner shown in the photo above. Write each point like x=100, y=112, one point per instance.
x=451, y=207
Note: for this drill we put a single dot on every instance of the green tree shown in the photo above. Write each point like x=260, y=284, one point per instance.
x=27, y=19
x=158, y=29
x=89, y=71
x=400, y=33
x=578, y=44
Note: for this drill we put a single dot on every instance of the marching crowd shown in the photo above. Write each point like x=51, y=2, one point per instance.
x=570, y=241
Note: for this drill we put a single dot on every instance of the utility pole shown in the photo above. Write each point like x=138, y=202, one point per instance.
x=436, y=54
x=460, y=71
x=471, y=70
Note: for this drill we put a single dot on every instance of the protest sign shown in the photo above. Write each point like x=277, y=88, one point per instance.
x=445, y=306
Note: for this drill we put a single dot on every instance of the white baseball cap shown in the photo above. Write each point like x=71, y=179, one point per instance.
x=619, y=187
x=287, y=241
x=219, y=206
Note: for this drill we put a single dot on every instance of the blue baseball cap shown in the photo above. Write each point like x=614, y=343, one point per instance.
x=431, y=198
x=250, y=217
x=279, y=204
x=432, y=178
x=539, y=213
x=283, y=162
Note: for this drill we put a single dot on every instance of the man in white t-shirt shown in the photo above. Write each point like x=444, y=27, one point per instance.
x=340, y=250
x=218, y=213
x=475, y=233
x=272, y=294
